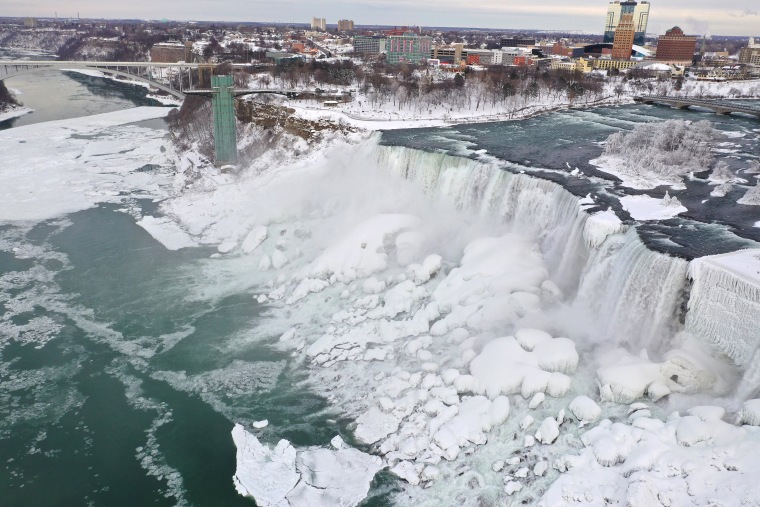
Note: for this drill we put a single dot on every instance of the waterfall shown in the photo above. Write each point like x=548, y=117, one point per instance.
x=628, y=293
x=632, y=292
x=536, y=207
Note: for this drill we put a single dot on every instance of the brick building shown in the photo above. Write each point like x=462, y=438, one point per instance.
x=171, y=52
x=625, y=32
x=676, y=48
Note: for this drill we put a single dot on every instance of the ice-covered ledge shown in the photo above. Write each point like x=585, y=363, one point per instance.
x=725, y=302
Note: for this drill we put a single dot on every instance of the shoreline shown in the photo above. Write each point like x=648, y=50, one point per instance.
x=14, y=112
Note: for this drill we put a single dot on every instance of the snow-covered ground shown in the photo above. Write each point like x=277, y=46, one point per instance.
x=643, y=207
x=369, y=110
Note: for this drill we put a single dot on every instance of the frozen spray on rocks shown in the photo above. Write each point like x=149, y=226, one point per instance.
x=450, y=331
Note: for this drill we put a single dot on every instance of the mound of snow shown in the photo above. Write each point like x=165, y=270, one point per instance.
x=504, y=367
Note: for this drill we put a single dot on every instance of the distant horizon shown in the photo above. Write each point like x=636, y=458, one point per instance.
x=741, y=19
x=357, y=25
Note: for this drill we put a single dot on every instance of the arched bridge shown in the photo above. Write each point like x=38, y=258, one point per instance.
x=719, y=106
x=159, y=75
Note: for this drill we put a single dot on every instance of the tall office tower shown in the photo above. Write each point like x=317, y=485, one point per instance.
x=319, y=24
x=624, y=33
x=640, y=19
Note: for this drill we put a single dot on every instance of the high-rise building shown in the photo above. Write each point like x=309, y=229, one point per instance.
x=345, y=25
x=625, y=33
x=640, y=19
x=409, y=47
x=319, y=24
x=750, y=54
x=676, y=48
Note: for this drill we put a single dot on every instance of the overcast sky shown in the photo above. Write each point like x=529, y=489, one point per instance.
x=728, y=17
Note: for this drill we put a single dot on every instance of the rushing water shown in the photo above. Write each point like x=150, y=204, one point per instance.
x=129, y=363
x=550, y=146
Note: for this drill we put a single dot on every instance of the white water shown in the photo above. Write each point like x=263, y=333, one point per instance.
x=622, y=292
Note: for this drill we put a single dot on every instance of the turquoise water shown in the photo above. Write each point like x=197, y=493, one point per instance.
x=114, y=409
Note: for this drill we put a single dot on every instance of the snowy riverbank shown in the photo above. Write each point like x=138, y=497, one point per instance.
x=14, y=112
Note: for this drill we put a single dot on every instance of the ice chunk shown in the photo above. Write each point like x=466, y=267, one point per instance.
x=283, y=477
x=374, y=425
x=265, y=474
x=279, y=259
x=254, y=238
x=512, y=487
x=536, y=401
x=167, y=232
x=548, y=431
x=407, y=471
x=529, y=338
x=557, y=355
x=585, y=409
x=708, y=413
x=540, y=468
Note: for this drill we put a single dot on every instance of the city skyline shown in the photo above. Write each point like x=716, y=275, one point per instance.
x=694, y=16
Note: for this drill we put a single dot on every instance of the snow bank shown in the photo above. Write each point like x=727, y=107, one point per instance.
x=14, y=112
x=284, y=476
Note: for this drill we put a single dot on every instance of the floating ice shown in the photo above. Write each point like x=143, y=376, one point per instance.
x=643, y=207
x=283, y=476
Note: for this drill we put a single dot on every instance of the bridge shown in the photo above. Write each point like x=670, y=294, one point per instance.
x=719, y=106
x=168, y=77
x=175, y=79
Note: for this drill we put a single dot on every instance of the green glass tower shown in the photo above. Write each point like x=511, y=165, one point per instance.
x=225, y=134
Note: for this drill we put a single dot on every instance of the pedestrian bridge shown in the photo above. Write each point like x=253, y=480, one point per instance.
x=719, y=106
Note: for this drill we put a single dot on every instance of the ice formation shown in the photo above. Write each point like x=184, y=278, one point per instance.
x=70, y=165
x=283, y=476
x=643, y=207
x=686, y=460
